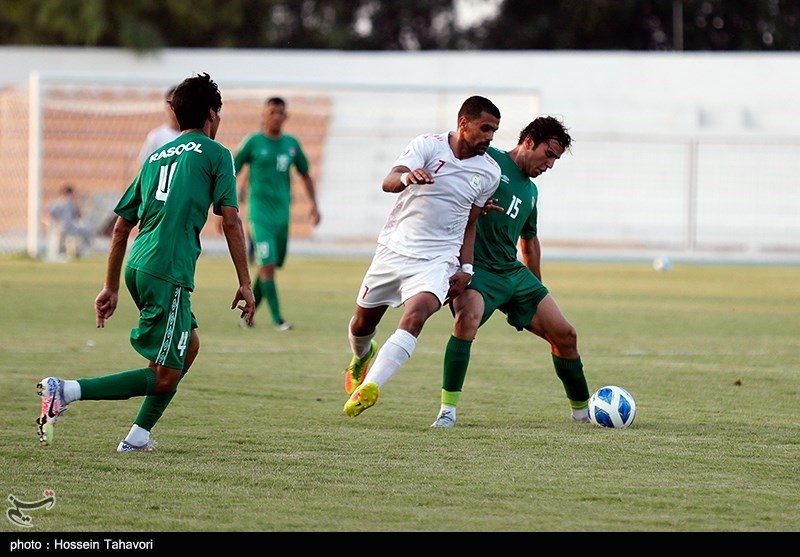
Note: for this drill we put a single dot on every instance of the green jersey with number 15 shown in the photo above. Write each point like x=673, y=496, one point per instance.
x=169, y=200
x=499, y=232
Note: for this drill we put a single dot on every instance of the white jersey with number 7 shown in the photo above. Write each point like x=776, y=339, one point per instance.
x=428, y=220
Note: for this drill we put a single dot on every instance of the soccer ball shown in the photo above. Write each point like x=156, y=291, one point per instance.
x=612, y=406
x=662, y=264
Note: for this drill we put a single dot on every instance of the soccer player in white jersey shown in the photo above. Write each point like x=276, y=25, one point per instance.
x=424, y=251
x=162, y=134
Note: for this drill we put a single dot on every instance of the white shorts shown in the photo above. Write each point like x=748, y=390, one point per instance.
x=392, y=278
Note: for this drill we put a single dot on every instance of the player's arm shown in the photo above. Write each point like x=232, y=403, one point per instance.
x=308, y=181
x=532, y=255
x=234, y=236
x=106, y=301
x=242, y=180
x=400, y=177
x=460, y=280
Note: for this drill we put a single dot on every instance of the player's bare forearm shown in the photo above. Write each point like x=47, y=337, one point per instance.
x=314, y=215
x=532, y=255
x=394, y=181
x=490, y=206
x=116, y=254
x=234, y=236
x=106, y=301
x=460, y=280
x=468, y=245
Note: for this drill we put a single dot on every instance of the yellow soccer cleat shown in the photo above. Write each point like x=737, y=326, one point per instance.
x=357, y=370
x=364, y=397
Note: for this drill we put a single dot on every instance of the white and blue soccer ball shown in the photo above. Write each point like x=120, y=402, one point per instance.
x=613, y=407
x=662, y=264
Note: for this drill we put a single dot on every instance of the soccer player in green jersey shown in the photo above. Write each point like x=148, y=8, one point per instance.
x=270, y=154
x=514, y=287
x=169, y=201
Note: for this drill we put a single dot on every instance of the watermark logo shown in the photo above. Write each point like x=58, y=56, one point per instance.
x=16, y=513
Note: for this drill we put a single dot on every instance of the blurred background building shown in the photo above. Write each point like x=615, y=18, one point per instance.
x=692, y=152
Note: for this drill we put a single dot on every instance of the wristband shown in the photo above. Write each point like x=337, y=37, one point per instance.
x=467, y=268
x=404, y=178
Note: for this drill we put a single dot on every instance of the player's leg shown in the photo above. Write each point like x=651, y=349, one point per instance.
x=397, y=349
x=486, y=292
x=271, y=253
x=153, y=407
x=550, y=324
x=468, y=310
x=379, y=289
x=164, y=308
x=361, y=335
x=423, y=289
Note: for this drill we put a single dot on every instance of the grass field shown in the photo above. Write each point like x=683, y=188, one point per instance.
x=255, y=440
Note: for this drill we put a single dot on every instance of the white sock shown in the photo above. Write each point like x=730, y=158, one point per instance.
x=359, y=345
x=580, y=414
x=72, y=391
x=137, y=436
x=395, y=352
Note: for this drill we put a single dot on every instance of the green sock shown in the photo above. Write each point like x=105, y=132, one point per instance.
x=119, y=386
x=456, y=361
x=257, y=292
x=270, y=293
x=450, y=398
x=153, y=407
x=571, y=374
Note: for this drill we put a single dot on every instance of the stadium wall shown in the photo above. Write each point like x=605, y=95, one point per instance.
x=688, y=152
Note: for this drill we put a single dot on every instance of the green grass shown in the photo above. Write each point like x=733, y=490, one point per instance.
x=256, y=439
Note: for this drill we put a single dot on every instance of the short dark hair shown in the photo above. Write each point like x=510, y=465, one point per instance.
x=475, y=105
x=192, y=100
x=544, y=128
x=275, y=100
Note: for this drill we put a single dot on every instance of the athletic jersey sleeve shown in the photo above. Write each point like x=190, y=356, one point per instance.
x=492, y=181
x=130, y=203
x=416, y=153
x=300, y=161
x=530, y=228
x=224, y=192
x=243, y=153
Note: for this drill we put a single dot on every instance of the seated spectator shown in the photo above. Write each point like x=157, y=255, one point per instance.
x=67, y=237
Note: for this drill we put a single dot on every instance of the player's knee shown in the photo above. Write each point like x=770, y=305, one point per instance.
x=166, y=379
x=567, y=339
x=466, y=325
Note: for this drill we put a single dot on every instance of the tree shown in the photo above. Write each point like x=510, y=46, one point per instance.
x=144, y=25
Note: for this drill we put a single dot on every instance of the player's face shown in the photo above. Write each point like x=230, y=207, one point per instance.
x=536, y=159
x=273, y=116
x=478, y=133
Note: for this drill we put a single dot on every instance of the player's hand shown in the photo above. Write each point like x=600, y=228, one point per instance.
x=419, y=176
x=245, y=294
x=314, y=216
x=104, y=306
x=490, y=206
x=458, y=282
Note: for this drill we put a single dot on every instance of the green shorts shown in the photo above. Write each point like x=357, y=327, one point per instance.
x=516, y=293
x=165, y=318
x=269, y=243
